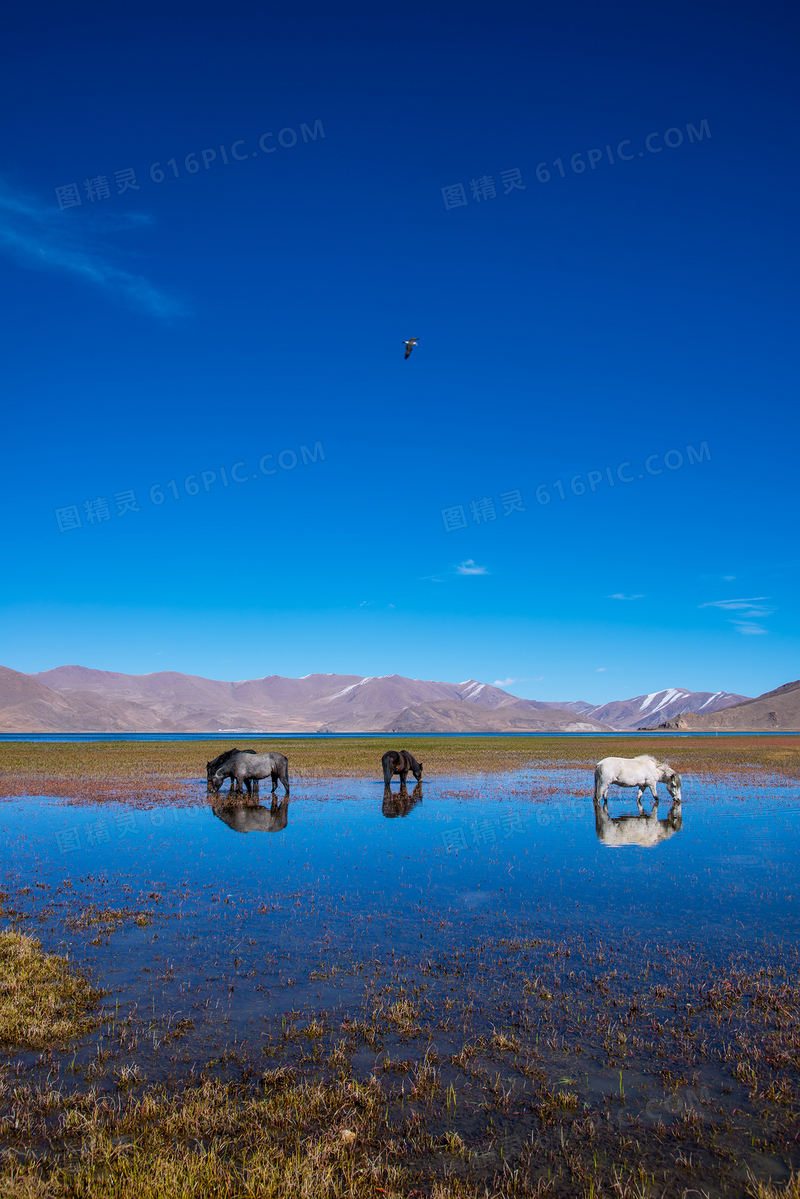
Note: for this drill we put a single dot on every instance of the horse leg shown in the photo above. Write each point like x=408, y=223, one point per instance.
x=403, y=776
x=654, y=791
x=274, y=777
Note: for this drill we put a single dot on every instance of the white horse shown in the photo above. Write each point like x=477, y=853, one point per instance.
x=641, y=772
x=645, y=830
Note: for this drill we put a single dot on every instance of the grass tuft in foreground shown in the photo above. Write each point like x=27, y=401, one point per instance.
x=43, y=1001
x=771, y=1190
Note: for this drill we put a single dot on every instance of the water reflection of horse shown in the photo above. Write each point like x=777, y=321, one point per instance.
x=247, y=818
x=644, y=829
x=400, y=803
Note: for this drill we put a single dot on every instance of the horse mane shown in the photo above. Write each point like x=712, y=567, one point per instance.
x=661, y=767
x=226, y=757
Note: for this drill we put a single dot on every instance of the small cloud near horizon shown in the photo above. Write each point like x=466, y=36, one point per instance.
x=620, y=596
x=469, y=568
x=507, y=682
x=600, y=669
x=748, y=627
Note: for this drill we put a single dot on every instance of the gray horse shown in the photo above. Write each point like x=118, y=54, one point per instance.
x=248, y=768
x=220, y=761
x=400, y=762
x=243, y=818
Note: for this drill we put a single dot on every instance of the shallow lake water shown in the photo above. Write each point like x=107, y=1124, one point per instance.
x=504, y=913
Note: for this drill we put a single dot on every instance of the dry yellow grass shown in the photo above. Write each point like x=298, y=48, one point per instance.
x=43, y=1001
x=216, y=1140
x=776, y=1190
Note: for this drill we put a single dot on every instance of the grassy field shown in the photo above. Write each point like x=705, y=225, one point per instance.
x=120, y=769
x=309, y=1118
x=460, y=1073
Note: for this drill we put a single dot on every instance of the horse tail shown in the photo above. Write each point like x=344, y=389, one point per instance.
x=598, y=782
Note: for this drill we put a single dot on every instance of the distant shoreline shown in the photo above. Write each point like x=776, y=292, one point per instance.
x=261, y=735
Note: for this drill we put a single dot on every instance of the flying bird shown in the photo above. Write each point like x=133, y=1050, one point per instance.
x=412, y=341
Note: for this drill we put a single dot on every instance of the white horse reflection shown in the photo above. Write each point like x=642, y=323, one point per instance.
x=252, y=818
x=644, y=829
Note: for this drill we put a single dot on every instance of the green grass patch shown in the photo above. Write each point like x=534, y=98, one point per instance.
x=43, y=1001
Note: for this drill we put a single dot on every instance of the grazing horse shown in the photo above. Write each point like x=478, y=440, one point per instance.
x=644, y=830
x=641, y=772
x=220, y=761
x=400, y=762
x=249, y=768
x=245, y=819
x=400, y=803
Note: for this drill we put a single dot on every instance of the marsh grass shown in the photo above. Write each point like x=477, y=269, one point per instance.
x=459, y=1075
x=43, y=1000
x=147, y=772
x=771, y=1190
x=482, y=1108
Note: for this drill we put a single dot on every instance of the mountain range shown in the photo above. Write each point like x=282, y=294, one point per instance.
x=774, y=711
x=80, y=699
x=643, y=711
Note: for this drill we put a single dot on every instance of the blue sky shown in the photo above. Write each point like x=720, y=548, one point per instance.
x=567, y=325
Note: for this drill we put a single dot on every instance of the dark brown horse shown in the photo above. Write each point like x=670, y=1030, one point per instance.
x=400, y=762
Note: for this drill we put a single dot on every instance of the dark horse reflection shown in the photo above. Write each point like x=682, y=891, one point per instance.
x=252, y=818
x=644, y=829
x=400, y=803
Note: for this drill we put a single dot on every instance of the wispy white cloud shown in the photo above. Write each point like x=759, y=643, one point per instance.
x=507, y=682
x=729, y=578
x=469, y=568
x=748, y=607
x=42, y=238
x=619, y=595
x=748, y=628
x=600, y=669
